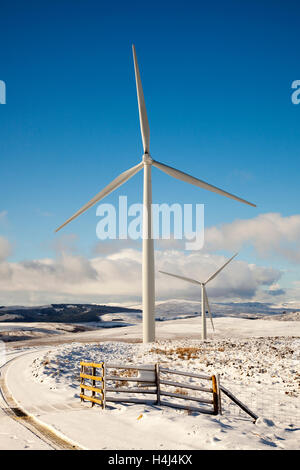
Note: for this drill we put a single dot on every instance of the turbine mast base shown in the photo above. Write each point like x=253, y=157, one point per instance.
x=148, y=258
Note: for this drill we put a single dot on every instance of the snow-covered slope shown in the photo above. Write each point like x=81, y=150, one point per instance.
x=174, y=308
x=257, y=360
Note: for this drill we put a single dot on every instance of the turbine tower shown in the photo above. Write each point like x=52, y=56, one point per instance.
x=148, y=243
x=204, y=298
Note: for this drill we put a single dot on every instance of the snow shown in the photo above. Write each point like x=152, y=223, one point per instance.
x=172, y=308
x=22, y=331
x=14, y=436
x=254, y=368
x=292, y=316
x=257, y=360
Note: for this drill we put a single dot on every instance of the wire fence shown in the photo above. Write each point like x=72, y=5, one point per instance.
x=267, y=402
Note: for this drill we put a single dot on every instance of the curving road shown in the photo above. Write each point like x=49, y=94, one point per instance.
x=19, y=430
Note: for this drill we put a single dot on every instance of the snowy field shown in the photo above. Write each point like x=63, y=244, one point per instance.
x=257, y=360
x=262, y=372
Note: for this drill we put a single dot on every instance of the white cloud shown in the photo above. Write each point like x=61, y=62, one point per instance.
x=114, y=272
x=5, y=248
x=270, y=234
x=108, y=247
x=238, y=280
x=117, y=278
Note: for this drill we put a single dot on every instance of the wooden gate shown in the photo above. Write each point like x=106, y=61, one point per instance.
x=206, y=390
x=92, y=379
x=117, y=381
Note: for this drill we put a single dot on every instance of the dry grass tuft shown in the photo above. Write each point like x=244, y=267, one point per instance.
x=181, y=353
x=123, y=373
x=181, y=391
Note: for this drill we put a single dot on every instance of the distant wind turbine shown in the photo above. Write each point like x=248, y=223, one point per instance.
x=148, y=245
x=204, y=298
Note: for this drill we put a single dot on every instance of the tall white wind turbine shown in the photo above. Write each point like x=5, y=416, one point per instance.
x=148, y=245
x=204, y=298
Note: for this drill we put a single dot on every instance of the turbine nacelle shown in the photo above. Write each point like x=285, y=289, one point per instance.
x=147, y=159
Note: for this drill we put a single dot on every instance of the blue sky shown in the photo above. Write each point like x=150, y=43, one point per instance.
x=217, y=83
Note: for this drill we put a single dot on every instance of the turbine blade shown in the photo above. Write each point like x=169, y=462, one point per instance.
x=222, y=267
x=208, y=308
x=193, y=281
x=121, y=179
x=196, y=182
x=145, y=130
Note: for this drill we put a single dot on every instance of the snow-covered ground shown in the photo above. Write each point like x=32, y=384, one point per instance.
x=12, y=434
x=15, y=436
x=257, y=360
x=20, y=331
x=174, y=308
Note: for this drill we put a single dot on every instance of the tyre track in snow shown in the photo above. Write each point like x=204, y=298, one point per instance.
x=11, y=409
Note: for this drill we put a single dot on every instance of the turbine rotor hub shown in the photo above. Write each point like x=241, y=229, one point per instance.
x=147, y=159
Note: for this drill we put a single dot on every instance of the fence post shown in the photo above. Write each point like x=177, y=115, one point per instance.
x=103, y=386
x=81, y=382
x=215, y=394
x=219, y=394
x=157, y=378
x=93, y=384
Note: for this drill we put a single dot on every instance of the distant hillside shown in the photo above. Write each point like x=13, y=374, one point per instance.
x=60, y=313
x=173, y=308
x=165, y=310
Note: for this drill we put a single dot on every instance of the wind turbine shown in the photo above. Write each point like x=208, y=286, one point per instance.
x=148, y=245
x=204, y=298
